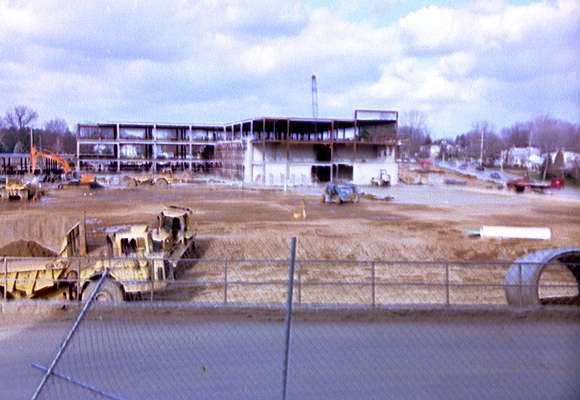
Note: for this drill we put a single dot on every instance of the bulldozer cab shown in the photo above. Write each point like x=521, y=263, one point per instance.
x=172, y=225
x=134, y=242
x=175, y=221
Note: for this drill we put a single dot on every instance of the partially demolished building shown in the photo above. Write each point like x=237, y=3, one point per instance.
x=267, y=150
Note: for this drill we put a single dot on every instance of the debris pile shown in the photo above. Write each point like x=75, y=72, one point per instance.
x=25, y=248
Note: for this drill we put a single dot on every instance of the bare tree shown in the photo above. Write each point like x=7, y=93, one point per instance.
x=471, y=142
x=517, y=135
x=20, y=118
x=56, y=125
x=55, y=132
x=413, y=131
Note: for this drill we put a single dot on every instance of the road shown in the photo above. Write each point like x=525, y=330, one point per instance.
x=568, y=192
x=471, y=171
x=185, y=357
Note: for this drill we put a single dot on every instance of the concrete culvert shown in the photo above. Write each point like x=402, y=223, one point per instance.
x=526, y=286
x=25, y=248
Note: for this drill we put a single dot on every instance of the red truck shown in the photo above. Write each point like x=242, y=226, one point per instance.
x=520, y=185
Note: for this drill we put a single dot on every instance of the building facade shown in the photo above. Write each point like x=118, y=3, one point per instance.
x=272, y=151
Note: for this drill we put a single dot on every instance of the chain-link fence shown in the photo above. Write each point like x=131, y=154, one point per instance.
x=264, y=281
x=356, y=329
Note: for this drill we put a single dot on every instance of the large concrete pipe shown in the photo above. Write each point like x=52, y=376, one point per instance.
x=523, y=276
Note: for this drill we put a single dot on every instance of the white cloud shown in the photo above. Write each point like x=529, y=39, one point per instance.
x=213, y=61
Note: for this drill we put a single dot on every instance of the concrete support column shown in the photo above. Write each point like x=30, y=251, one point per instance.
x=286, y=179
x=264, y=151
x=190, y=147
x=154, y=163
x=78, y=160
x=117, y=137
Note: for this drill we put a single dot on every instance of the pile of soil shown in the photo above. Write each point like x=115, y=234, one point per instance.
x=25, y=248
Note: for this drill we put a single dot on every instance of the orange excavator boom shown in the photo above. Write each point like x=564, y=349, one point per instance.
x=34, y=154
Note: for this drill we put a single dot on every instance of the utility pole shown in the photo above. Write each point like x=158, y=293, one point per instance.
x=31, y=145
x=481, y=148
x=530, y=149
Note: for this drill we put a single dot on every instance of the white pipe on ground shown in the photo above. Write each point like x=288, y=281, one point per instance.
x=515, y=232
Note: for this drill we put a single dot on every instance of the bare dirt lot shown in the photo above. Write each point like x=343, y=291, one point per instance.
x=424, y=223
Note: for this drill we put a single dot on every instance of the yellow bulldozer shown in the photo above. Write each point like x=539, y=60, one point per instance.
x=17, y=189
x=139, y=260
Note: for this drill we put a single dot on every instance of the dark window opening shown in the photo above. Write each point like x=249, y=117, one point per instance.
x=344, y=172
x=320, y=174
x=323, y=153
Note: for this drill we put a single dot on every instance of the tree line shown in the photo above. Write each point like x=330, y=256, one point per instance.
x=54, y=135
x=545, y=132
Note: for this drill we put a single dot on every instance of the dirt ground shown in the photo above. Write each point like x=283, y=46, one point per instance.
x=252, y=223
x=256, y=223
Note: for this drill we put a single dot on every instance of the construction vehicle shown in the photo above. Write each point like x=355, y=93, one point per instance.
x=520, y=185
x=340, y=193
x=164, y=179
x=383, y=179
x=15, y=189
x=18, y=189
x=175, y=234
x=139, y=260
x=60, y=161
x=69, y=177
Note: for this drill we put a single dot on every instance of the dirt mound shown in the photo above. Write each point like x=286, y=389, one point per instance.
x=25, y=248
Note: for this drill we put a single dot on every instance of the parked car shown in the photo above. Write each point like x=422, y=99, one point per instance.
x=495, y=175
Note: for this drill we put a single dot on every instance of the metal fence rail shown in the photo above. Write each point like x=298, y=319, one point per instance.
x=361, y=282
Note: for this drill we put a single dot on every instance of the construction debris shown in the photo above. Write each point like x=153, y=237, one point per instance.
x=411, y=178
x=370, y=196
x=300, y=212
x=513, y=232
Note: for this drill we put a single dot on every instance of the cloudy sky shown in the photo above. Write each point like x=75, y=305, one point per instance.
x=217, y=61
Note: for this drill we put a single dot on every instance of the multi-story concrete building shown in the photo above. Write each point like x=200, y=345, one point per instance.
x=266, y=150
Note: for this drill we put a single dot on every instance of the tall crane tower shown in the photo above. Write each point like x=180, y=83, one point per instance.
x=314, y=97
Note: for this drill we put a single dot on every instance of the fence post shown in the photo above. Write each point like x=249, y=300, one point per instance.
x=226, y=281
x=446, y=283
x=299, y=284
x=373, y=284
x=78, y=279
x=151, y=279
x=5, y=279
x=69, y=336
x=520, y=288
x=288, y=319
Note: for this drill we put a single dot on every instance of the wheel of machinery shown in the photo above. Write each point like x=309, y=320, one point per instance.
x=162, y=182
x=109, y=292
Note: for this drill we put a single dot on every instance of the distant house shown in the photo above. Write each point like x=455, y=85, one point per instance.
x=570, y=158
x=431, y=151
x=523, y=157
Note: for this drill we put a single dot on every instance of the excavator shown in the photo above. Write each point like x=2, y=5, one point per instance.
x=85, y=179
x=60, y=161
